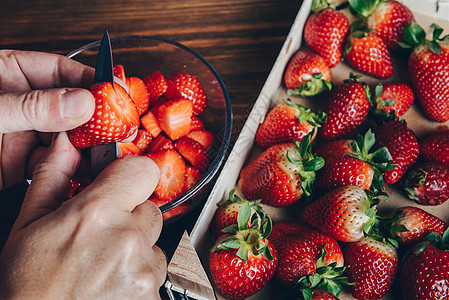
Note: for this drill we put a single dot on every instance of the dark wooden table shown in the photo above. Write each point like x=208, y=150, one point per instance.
x=240, y=38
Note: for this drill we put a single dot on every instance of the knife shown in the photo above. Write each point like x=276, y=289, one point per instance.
x=102, y=155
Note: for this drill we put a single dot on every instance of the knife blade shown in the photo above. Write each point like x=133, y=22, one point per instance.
x=103, y=155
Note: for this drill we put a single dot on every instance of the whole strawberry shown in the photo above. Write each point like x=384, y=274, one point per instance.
x=243, y=261
x=282, y=174
x=371, y=266
x=307, y=74
x=325, y=32
x=428, y=183
x=185, y=85
x=412, y=224
x=351, y=162
x=403, y=146
x=428, y=68
x=285, y=122
x=386, y=19
x=391, y=101
x=115, y=117
x=435, y=147
x=345, y=213
x=425, y=270
x=367, y=53
x=346, y=108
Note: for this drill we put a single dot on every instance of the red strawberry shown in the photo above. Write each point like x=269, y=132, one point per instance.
x=119, y=72
x=138, y=93
x=143, y=140
x=325, y=32
x=160, y=143
x=228, y=210
x=302, y=250
x=351, y=162
x=156, y=86
x=285, y=122
x=323, y=295
x=129, y=149
x=193, y=152
x=74, y=185
x=371, y=266
x=282, y=174
x=392, y=100
x=184, y=85
x=173, y=213
x=428, y=183
x=387, y=19
x=173, y=170
x=435, y=147
x=243, y=261
x=344, y=213
x=204, y=137
x=428, y=67
x=150, y=122
x=346, y=108
x=196, y=124
x=174, y=117
x=402, y=145
x=412, y=224
x=367, y=53
x=425, y=270
x=115, y=117
x=307, y=74
x=192, y=177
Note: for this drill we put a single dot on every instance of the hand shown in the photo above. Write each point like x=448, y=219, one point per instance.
x=32, y=104
x=97, y=245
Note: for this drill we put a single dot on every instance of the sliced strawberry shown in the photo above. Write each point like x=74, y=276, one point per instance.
x=119, y=72
x=204, y=137
x=172, y=170
x=193, y=152
x=138, y=93
x=129, y=149
x=185, y=85
x=192, y=177
x=143, y=140
x=160, y=143
x=174, y=117
x=150, y=123
x=115, y=117
x=156, y=86
x=197, y=124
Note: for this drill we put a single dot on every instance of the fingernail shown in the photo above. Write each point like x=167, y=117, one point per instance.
x=75, y=103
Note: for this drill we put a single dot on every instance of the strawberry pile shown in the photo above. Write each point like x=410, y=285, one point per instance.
x=155, y=117
x=329, y=156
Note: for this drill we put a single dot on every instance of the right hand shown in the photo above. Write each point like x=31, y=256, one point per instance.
x=100, y=244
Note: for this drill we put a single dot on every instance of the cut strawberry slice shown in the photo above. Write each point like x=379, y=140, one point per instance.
x=119, y=72
x=160, y=143
x=143, y=139
x=129, y=149
x=204, y=137
x=173, y=170
x=150, y=123
x=175, y=117
x=156, y=86
x=192, y=177
x=193, y=152
x=138, y=93
x=185, y=85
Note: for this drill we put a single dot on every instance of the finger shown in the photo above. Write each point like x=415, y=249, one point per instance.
x=25, y=70
x=52, y=110
x=149, y=217
x=124, y=184
x=51, y=181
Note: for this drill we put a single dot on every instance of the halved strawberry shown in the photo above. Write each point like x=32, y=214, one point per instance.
x=193, y=152
x=172, y=174
x=185, y=85
x=160, y=143
x=175, y=117
x=192, y=177
x=156, y=86
x=204, y=137
x=138, y=93
x=115, y=117
x=150, y=123
x=143, y=139
x=119, y=72
x=129, y=149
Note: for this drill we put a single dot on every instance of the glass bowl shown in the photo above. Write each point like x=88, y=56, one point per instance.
x=142, y=55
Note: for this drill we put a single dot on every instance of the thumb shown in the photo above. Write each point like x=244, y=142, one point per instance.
x=51, y=110
x=51, y=181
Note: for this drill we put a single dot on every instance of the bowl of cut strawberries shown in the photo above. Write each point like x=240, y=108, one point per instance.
x=174, y=108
